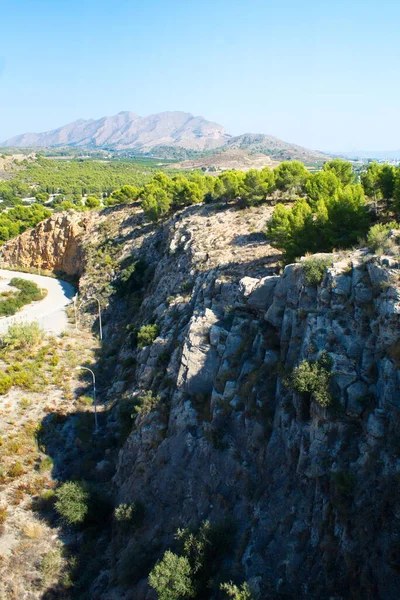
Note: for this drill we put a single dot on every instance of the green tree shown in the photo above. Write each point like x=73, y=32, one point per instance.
x=370, y=182
x=92, y=202
x=171, y=578
x=321, y=185
x=155, y=201
x=342, y=169
x=348, y=218
x=185, y=192
x=291, y=177
x=293, y=229
x=331, y=223
x=386, y=179
x=227, y=185
x=164, y=182
x=256, y=185
x=42, y=197
x=130, y=192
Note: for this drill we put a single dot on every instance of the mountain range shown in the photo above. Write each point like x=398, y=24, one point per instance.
x=176, y=129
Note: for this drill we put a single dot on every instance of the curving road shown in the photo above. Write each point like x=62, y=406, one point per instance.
x=50, y=312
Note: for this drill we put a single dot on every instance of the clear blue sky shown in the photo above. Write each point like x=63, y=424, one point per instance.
x=318, y=73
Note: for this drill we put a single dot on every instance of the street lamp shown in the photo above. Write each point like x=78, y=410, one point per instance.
x=100, y=325
x=75, y=298
x=94, y=396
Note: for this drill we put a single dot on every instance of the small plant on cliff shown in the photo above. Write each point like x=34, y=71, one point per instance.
x=378, y=239
x=313, y=377
x=123, y=512
x=130, y=514
x=314, y=269
x=146, y=335
x=235, y=592
x=171, y=578
x=148, y=402
x=72, y=502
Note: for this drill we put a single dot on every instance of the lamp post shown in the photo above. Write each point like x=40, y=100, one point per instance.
x=94, y=396
x=100, y=325
x=75, y=298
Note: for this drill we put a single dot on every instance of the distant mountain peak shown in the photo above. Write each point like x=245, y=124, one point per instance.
x=169, y=129
x=129, y=130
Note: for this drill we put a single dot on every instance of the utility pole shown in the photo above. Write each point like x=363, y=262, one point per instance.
x=94, y=396
x=75, y=298
x=100, y=325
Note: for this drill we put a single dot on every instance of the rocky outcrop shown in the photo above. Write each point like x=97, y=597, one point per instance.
x=54, y=245
x=312, y=490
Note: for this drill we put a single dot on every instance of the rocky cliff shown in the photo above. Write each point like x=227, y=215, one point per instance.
x=54, y=245
x=312, y=488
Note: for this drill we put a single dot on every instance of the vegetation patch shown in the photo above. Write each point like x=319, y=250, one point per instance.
x=28, y=292
x=313, y=377
x=314, y=269
x=378, y=239
x=146, y=335
x=72, y=502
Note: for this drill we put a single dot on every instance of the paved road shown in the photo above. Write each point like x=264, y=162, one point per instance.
x=50, y=312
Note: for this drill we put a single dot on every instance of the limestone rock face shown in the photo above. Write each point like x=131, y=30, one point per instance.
x=54, y=245
x=313, y=491
x=239, y=441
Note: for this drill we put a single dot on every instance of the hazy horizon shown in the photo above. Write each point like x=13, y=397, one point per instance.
x=305, y=73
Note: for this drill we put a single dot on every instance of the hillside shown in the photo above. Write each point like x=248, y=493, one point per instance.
x=274, y=147
x=201, y=419
x=227, y=158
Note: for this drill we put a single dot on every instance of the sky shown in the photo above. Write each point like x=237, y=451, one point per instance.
x=321, y=74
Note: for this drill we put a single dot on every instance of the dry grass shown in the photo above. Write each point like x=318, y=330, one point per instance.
x=33, y=530
x=44, y=381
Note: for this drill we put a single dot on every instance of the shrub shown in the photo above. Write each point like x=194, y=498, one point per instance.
x=23, y=379
x=377, y=237
x=72, y=502
x=314, y=378
x=92, y=202
x=50, y=565
x=28, y=292
x=3, y=514
x=46, y=464
x=124, y=512
x=148, y=402
x=331, y=222
x=5, y=383
x=171, y=578
x=47, y=499
x=132, y=514
x=314, y=269
x=16, y=470
x=24, y=335
x=146, y=335
x=237, y=593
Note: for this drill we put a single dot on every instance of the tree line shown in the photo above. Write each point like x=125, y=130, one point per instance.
x=18, y=219
x=332, y=208
x=73, y=178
